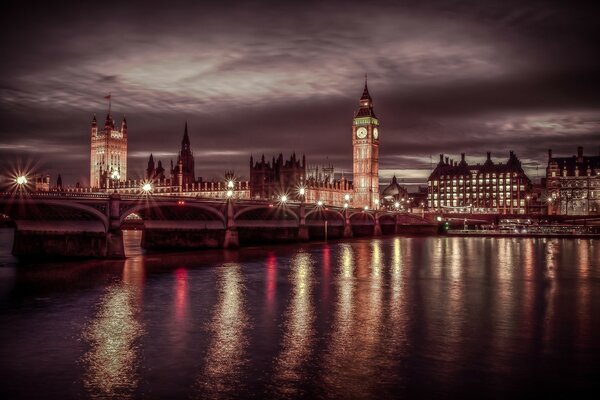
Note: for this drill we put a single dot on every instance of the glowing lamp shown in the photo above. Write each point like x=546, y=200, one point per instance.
x=319, y=203
x=21, y=180
x=284, y=198
x=147, y=187
x=301, y=191
x=347, y=197
x=229, y=193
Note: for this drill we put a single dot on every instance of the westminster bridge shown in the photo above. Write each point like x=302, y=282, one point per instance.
x=90, y=224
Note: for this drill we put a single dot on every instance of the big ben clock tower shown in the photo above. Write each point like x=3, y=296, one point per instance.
x=365, y=153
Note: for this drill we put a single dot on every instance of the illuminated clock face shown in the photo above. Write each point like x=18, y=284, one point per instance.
x=361, y=133
x=376, y=133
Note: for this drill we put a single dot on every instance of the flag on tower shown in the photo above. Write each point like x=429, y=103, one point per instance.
x=107, y=97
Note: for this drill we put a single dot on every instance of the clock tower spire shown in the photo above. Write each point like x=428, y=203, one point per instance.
x=365, y=153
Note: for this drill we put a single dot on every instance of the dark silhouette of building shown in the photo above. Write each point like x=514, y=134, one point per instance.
x=392, y=194
x=573, y=184
x=488, y=188
x=271, y=179
x=184, y=171
x=154, y=172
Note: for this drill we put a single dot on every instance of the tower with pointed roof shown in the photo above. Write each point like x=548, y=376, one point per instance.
x=365, y=153
x=108, y=153
x=185, y=162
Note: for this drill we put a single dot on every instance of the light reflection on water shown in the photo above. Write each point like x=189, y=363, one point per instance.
x=386, y=317
x=221, y=376
x=111, y=364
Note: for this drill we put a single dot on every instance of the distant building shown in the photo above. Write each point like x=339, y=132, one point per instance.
x=392, y=194
x=183, y=172
x=269, y=180
x=573, y=184
x=487, y=188
x=108, y=158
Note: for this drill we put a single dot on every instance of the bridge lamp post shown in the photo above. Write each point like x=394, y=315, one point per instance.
x=229, y=193
x=397, y=205
x=21, y=181
x=230, y=184
x=320, y=203
x=366, y=208
x=283, y=199
x=147, y=188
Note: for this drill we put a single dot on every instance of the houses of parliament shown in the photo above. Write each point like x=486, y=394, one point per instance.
x=571, y=185
x=268, y=179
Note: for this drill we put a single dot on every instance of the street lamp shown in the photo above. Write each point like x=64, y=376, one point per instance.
x=21, y=180
x=301, y=191
x=230, y=184
x=345, y=205
x=320, y=203
x=397, y=205
x=229, y=193
x=147, y=187
x=366, y=208
x=283, y=198
x=347, y=197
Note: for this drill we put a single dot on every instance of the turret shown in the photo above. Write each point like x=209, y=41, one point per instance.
x=124, y=127
x=59, y=184
x=94, y=126
x=150, y=170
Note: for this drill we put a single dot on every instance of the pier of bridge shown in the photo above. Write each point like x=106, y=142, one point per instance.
x=90, y=225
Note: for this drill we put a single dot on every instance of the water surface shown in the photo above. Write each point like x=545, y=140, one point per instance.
x=422, y=317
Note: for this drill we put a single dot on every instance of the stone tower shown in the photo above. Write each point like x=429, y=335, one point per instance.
x=365, y=153
x=108, y=156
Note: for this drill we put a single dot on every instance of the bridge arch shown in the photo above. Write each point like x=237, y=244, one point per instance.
x=264, y=211
x=49, y=210
x=328, y=211
x=140, y=208
x=368, y=215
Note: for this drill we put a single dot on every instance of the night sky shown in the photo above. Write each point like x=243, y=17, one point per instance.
x=270, y=77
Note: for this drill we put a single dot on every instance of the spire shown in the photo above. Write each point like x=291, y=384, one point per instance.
x=59, y=184
x=365, y=103
x=366, y=95
x=186, y=139
x=94, y=121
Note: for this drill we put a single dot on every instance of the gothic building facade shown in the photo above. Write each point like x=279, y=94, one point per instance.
x=365, y=153
x=487, y=188
x=573, y=184
x=183, y=172
x=108, y=158
x=270, y=179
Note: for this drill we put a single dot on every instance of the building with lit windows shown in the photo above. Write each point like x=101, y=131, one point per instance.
x=501, y=188
x=573, y=184
x=108, y=158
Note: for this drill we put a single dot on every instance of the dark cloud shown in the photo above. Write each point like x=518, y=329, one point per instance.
x=270, y=77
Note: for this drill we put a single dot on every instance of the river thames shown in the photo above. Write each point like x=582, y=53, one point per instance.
x=412, y=317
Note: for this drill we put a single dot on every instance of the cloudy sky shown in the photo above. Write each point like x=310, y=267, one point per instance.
x=269, y=77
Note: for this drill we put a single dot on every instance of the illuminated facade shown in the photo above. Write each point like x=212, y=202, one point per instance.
x=573, y=184
x=108, y=158
x=488, y=188
x=365, y=153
